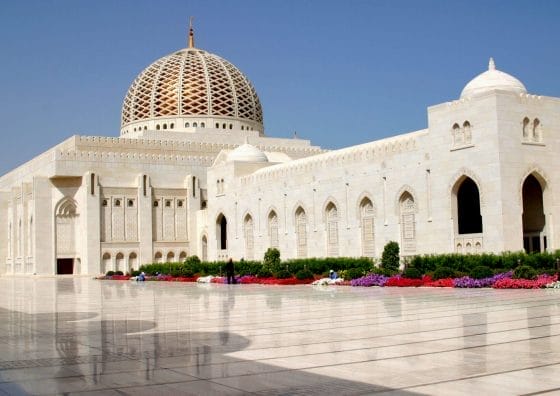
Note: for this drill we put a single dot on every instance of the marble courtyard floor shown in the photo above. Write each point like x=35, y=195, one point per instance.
x=81, y=336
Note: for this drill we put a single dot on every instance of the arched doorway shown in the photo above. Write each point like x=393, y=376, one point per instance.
x=105, y=263
x=119, y=262
x=469, y=219
x=221, y=232
x=533, y=217
x=66, y=228
x=132, y=261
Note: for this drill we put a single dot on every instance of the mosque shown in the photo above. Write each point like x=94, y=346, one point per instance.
x=193, y=173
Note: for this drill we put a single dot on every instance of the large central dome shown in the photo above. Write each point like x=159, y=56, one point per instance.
x=188, y=90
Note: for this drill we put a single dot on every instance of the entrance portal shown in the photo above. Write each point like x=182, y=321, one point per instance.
x=534, y=238
x=64, y=266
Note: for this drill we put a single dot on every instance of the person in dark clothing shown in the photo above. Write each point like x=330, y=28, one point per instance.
x=230, y=271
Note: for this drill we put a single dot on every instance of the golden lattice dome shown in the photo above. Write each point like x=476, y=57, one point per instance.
x=189, y=89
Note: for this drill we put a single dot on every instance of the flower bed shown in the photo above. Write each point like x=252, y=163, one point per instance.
x=446, y=282
x=541, y=281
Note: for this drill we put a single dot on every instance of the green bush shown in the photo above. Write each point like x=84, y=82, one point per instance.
x=134, y=272
x=352, y=273
x=110, y=273
x=282, y=274
x=272, y=258
x=443, y=272
x=412, y=273
x=119, y=273
x=480, y=272
x=524, y=272
x=390, y=257
x=264, y=272
x=304, y=274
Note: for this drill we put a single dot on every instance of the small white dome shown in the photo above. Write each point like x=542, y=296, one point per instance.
x=247, y=153
x=490, y=80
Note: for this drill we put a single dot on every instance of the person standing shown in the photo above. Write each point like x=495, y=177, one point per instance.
x=230, y=272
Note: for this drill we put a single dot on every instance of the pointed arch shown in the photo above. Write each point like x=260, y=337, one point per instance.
x=204, y=247
x=66, y=207
x=106, y=262
x=331, y=217
x=466, y=206
x=407, y=216
x=132, y=261
x=367, y=226
x=525, y=123
x=365, y=195
x=248, y=232
x=221, y=231
x=301, y=231
x=330, y=201
x=272, y=222
x=405, y=189
x=460, y=175
x=119, y=262
x=170, y=257
x=533, y=217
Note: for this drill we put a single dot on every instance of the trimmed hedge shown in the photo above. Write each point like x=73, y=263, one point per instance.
x=467, y=262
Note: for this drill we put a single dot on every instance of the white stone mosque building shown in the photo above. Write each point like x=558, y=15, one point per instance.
x=193, y=173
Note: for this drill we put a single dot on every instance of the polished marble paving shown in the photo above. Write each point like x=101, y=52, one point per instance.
x=82, y=336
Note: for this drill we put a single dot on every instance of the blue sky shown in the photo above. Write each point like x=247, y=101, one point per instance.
x=338, y=73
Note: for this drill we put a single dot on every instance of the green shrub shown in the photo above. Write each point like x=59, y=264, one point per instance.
x=282, y=274
x=390, y=257
x=352, y=273
x=272, y=258
x=443, y=272
x=524, y=272
x=264, y=272
x=110, y=273
x=119, y=273
x=480, y=272
x=134, y=272
x=412, y=273
x=304, y=274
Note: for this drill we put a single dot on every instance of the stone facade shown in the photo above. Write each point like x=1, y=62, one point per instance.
x=479, y=178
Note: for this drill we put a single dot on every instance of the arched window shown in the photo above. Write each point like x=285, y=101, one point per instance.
x=187, y=125
x=536, y=130
x=221, y=232
x=249, y=235
x=194, y=124
x=202, y=125
x=164, y=126
x=230, y=126
x=158, y=257
x=301, y=232
x=526, y=128
x=182, y=256
x=170, y=257
x=467, y=132
x=273, y=229
x=457, y=135
x=217, y=126
x=407, y=208
x=157, y=127
x=469, y=219
x=171, y=126
x=368, y=229
x=331, y=215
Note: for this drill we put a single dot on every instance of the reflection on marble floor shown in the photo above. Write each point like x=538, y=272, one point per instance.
x=77, y=335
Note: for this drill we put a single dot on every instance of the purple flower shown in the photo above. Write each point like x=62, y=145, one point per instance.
x=469, y=282
x=370, y=280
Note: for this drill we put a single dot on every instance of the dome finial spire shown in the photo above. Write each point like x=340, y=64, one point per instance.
x=191, y=33
x=491, y=64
